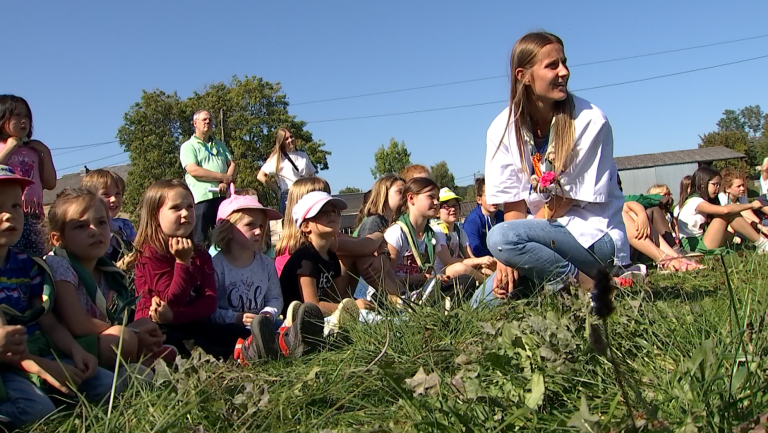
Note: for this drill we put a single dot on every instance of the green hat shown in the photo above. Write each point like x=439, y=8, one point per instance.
x=446, y=194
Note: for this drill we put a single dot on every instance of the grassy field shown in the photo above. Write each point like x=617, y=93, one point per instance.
x=691, y=356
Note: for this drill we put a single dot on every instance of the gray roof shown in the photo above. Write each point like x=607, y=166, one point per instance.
x=72, y=180
x=702, y=154
x=354, y=201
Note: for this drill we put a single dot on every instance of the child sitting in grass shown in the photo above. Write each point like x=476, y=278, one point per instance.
x=91, y=293
x=312, y=272
x=703, y=223
x=454, y=256
x=28, y=343
x=110, y=187
x=480, y=221
x=248, y=287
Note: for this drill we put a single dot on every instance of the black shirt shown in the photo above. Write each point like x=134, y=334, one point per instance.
x=307, y=262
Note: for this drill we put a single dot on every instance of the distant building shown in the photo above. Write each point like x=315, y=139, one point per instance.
x=639, y=172
x=72, y=180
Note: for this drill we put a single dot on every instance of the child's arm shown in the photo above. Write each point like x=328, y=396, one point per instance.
x=204, y=305
x=474, y=234
x=364, y=246
x=46, y=168
x=273, y=295
x=708, y=208
x=71, y=313
x=171, y=284
x=11, y=144
x=63, y=340
x=57, y=374
x=309, y=294
x=444, y=254
x=13, y=342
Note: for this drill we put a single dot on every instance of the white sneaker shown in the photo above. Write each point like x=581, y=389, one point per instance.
x=289, y=313
x=762, y=245
x=347, y=312
x=636, y=273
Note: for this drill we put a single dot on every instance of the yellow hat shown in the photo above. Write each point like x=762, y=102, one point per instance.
x=446, y=194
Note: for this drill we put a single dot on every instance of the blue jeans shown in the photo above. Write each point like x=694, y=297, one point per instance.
x=27, y=403
x=283, y=201
x=545, y=254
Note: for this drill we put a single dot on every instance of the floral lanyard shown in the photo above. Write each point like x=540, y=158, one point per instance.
x=544, y=180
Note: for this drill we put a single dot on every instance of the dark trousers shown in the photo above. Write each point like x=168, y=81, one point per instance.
x=217, y=340
x=205, y=219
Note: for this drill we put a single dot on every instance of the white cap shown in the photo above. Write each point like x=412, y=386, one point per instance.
x=311, y=203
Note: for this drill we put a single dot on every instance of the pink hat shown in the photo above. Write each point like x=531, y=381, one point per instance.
x=309, y=205
x=7, y=173
x=240, y=202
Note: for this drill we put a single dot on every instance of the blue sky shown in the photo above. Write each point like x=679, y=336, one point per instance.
x=81, y=65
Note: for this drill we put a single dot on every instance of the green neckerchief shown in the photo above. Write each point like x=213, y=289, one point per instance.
x=116, y=282
x=429, y=239
x=647, y=200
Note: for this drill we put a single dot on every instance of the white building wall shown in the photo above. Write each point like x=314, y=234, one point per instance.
x=638, y=180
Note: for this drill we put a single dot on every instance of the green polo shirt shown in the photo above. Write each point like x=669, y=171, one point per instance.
x=212, y=156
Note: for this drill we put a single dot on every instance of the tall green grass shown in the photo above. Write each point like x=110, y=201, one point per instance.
x=690, y=360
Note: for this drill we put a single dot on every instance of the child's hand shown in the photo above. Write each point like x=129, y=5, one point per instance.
x=13, y=142
x=365, y=304
x=60, y=376
x=182, y=249
x=149, y=334
x=245, y=318
x=443, y=278
x=488, y=262
x=13, y=343
x=84, y=361
x=160, y=312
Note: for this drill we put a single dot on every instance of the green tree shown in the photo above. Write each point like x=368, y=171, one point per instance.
x=253, y=110
x=392, y=159
x=734, y=140
x=350, y=190
x=752, y=116
x=442, y=175
x=731, y=122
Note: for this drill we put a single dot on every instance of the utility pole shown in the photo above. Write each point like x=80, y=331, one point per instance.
x=221, y=122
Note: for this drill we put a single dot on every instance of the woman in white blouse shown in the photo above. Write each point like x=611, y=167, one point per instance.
x=287, y=164
x=578, y=229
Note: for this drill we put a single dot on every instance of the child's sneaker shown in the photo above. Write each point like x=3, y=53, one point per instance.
x=305, y=334
x=260, y=345
x=347, y=312
x=635, y=274
x=289, y=313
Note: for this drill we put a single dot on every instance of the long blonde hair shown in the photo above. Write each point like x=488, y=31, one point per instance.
x=379, y=200
x=150, y=232
x=524, y=55
x=280, y=137
x=291, y=238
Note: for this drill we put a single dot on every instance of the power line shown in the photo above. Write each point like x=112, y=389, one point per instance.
x=95, y=160
x=84, y=145
x=639, y=80
x=597, y=62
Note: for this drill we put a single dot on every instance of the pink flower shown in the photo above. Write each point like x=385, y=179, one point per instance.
x=547, y=179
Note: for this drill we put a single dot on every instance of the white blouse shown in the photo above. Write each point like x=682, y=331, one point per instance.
x=591, y=179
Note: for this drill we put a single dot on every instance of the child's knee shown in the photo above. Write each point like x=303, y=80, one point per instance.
x=109, y=341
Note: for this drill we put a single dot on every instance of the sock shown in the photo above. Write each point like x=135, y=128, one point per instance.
x=761, y=242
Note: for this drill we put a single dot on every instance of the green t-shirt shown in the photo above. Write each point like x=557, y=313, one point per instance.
x=212, y=156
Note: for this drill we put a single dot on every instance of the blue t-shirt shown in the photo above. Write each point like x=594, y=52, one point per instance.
x=21, y=282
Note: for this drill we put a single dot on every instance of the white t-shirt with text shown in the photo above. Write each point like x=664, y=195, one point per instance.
x=405, y=263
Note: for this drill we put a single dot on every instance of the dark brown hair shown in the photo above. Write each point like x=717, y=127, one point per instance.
x=9, y=104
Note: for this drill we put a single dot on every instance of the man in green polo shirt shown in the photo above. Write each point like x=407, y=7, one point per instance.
x=208, y=164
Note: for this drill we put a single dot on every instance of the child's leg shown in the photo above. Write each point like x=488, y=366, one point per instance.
x=109, y=341
x=743, y=227
x=215, y=339
x=717, y=233
x=645, y=246
x=26, y=403
x=659, y=222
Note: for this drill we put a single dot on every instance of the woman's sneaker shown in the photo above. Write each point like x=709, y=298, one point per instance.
x=305, y=335
x=260, y=345
x=346, y=313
